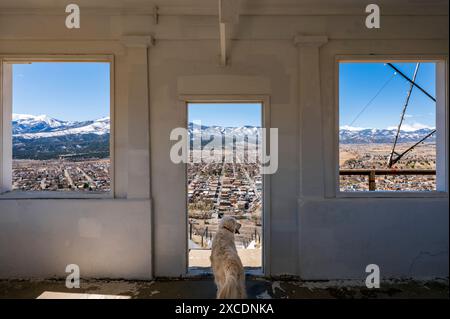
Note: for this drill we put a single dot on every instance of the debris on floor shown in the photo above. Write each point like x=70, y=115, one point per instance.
x=204, y=288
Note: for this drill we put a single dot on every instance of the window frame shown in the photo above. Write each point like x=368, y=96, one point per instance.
x=442, y=124
x=6, y=129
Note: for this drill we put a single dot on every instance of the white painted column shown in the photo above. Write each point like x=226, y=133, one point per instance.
x=310, y=111
x=138, y=116
x=311, y=160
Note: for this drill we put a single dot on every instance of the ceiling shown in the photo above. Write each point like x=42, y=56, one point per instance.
x=247, y=6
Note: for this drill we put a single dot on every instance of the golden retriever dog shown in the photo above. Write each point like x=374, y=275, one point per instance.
x=227, y=267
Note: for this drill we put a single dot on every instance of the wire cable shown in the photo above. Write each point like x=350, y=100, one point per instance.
x=372, y=99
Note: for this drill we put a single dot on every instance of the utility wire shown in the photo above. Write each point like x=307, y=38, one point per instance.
x=371, y=100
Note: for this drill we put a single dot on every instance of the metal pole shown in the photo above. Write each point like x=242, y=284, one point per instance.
x=390, y=163
x=410, y=149
x=412, y=82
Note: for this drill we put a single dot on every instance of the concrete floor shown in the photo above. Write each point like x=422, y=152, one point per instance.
x=204, y=288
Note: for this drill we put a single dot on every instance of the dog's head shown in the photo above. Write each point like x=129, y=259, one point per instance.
x=230, y=224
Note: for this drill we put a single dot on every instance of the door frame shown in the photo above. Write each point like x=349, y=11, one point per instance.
x=265, y=116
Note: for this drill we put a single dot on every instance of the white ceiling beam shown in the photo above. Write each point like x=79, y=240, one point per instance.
x=228, y=17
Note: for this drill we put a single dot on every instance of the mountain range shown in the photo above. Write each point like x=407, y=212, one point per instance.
x=44, y=137
x=347, y=135
x=207, y=133
x=365, y=136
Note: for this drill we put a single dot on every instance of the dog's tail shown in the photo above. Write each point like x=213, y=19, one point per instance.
x=232, y=288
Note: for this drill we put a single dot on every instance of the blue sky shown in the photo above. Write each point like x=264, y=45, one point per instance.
x=225, y=114
x=70, y=91
x=359, y=83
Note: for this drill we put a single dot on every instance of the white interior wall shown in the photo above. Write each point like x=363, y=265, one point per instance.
x=313, y=233
x=105, y=238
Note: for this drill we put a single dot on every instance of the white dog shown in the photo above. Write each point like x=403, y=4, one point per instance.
x=227, y=267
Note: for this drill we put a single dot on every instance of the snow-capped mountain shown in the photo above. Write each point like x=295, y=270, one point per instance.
x=207, y=133
x=40, y=126
x=347, y=135
x=219, y=130
x=25, y=123
x=43, y=137
x=364, y=136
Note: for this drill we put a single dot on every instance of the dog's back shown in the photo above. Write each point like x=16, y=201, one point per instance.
x=227, y=266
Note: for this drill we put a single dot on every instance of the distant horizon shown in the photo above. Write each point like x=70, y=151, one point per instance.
x=405, y=127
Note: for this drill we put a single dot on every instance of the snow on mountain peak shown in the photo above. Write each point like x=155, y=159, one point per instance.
x=41, y=126
x=412, y=127
x=352, y=128
x=38, y=126
x=103, y=119
x=19, y=117
x=374, y=135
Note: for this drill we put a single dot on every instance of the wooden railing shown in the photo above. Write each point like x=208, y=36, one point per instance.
x=373, y=172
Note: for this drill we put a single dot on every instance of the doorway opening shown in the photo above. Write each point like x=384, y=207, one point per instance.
x=224, y=179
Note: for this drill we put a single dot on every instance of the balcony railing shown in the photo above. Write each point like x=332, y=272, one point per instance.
x=374, y=172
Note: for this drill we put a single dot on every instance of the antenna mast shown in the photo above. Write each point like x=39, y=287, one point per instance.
x=393, y=160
